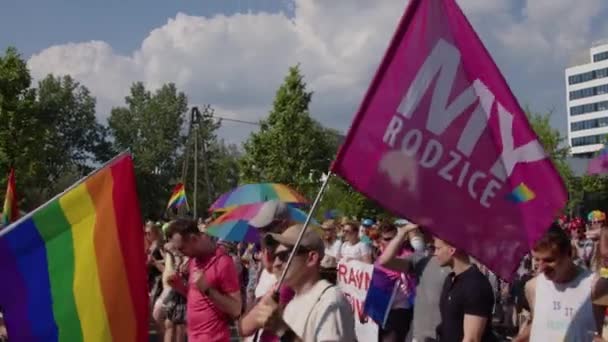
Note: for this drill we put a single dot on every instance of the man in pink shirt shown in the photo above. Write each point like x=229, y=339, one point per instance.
x=213, y=290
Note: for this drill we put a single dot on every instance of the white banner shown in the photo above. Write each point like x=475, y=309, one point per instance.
x=353, y=279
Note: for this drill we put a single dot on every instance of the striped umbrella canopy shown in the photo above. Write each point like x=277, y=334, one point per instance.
x=234, y=224
x=256, y=193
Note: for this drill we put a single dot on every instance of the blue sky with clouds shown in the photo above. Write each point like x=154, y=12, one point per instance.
x=123, y=24
x=233, y=54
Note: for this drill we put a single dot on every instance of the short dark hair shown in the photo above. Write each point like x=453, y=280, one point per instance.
x=183, y=227
x=555, y=238
x=387, y=228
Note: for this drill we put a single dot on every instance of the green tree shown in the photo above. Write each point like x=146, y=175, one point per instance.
x=73, y=139
x=340, y=196
x=291, y=147
x=69, y=108
x=150, y=126
x=49, y=135
x=558, y=150
x=20, y=130
x=224, y=167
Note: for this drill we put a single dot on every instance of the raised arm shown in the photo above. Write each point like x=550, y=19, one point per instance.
x=389, y=257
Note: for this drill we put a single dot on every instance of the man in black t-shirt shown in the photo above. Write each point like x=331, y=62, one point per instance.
x=467, y=298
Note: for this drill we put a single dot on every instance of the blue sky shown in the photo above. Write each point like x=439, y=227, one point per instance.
x=122, y=23
x=233, y=54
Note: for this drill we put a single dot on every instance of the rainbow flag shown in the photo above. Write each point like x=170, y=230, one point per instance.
x=74, y=269
x=178, y=197
x=10, y=212
x=521, y=194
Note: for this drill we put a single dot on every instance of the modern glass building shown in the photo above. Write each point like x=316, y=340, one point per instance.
x=587, y=103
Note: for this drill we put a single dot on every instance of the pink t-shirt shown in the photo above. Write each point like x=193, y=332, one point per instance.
x=207, y=323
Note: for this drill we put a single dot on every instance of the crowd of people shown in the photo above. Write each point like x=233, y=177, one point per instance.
x=201, y=287
x=205, y=289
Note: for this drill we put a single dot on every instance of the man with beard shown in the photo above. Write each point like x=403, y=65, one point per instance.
x=567, y=301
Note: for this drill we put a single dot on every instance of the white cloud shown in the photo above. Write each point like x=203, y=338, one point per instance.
x=237, y=62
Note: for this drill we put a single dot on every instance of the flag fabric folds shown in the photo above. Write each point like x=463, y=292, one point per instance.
x=74, y=269
x=380, y=296
x=441, y=140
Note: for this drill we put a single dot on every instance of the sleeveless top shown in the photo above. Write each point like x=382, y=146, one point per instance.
x=563, y=312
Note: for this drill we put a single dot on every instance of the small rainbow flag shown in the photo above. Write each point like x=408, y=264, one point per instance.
x=74, y=269
x=10, y=212
x=178, y=197
x=521, y=194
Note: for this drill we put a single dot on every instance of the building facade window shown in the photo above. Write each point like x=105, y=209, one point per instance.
x=600, y=56
x=588, y=76
x=589, y=140
x=589, y=124
x=588, y=92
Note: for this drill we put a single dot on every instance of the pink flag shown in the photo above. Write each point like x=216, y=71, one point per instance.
x=440, y=139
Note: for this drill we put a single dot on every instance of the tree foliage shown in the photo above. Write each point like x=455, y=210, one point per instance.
x=291, y=147
x=48, y=134
x=557, y=148
x=150, y=126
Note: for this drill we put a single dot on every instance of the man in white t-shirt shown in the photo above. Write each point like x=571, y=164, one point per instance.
x=319, y=311
x=352, y=247
x=567, y=302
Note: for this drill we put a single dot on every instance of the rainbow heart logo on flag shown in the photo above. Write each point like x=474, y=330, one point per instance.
x=521, y=194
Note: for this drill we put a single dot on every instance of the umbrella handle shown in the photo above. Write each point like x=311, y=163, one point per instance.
x=299, y=240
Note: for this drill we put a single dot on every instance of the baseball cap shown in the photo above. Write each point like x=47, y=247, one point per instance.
x=269, y=212
x=367, y=223
x=310, y=241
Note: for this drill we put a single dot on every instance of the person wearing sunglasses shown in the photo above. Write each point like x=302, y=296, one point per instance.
x=352, y=247
x=319, y=311
x=273, y=217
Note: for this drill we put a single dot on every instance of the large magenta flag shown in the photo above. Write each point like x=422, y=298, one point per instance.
x=440, y=139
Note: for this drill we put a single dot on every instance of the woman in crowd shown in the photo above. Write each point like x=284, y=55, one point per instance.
x=173, y=303
x=155, y=259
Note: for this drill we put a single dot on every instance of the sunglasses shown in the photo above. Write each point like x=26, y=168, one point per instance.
x=284, y=255
x=387, y=238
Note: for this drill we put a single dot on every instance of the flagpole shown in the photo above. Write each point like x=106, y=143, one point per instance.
x=315, y=204
x=72, y=187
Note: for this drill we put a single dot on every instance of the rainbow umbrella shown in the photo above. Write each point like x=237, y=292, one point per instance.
x=234, y=224
x=235, y=231
x=256, y=193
